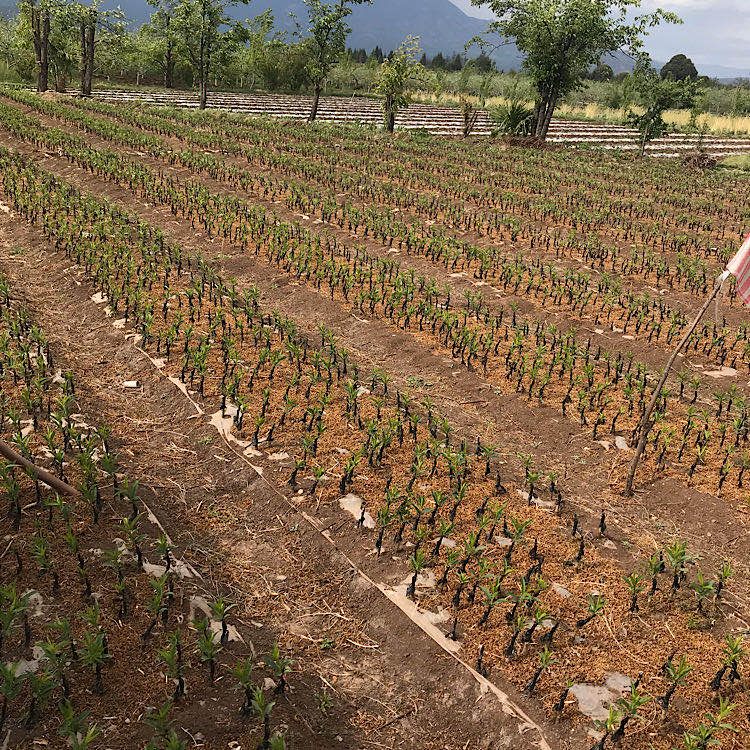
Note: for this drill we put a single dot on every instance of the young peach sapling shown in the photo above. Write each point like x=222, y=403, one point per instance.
x=279, y=665
x=221, y=609
x=171, y=655
x=676, y=674
x=417, y=562
x=725, y=573
x=41, y=687
x=243, y=671
x=94, y=655
x=129, y=528
x=596, y=604
x=545, y=659
x=207, y=647
x=609, y=725
x=12, y=611
x=262, y=708
x=75, y=726
x=540, y=615
x=157, y=604
x=635, y=587
x=703, y=736
x=518, y=625
x=733, y=653
x=629, y=705
x=58, y=661
x=703, y=589
x=11, y=685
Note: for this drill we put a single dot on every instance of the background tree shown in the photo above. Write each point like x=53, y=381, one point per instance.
x=484, y=64
x=326, y=42
x=38, y=14
x=14, y=54
x=395, y=74
x=246, y=61
x=161, y=29
x=94, y=25
x=562, y=39
x=602, y=72
x=206, y=34
x=269, y=59
x=655, y=95
x=139, y=52
x=63, y=49
x=680, y=68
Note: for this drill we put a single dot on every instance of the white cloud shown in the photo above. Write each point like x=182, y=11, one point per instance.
x=675, y=4
x=473, y=10
x=713, y=32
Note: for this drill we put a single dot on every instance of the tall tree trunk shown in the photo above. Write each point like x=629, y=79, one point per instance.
x=204, y=91
x=169, y=67
x=541, y=118
x=544, y=110
x=315, y=102
x=84, y=57
x=537, y=115
x=40, y=22
x=90, y=32
x=61, y=81
x=203, y=71
x=548, y=117
x=43, y=79
x=390, y=115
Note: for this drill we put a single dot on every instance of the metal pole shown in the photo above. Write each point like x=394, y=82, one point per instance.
x=644, y=426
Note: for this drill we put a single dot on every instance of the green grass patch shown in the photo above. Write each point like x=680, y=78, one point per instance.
x=737, y=161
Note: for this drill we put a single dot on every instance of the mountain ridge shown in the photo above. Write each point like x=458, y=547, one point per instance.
x=385, y=23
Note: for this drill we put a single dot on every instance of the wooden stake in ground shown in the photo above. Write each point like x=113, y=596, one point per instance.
x=645, y=425
x=41, y=474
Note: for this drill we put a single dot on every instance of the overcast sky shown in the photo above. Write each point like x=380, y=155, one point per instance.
x=714, y=32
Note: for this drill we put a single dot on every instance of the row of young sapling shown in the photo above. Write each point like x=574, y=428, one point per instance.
x=473, y=334
x=635, y=306
x=362, y=167
x=94, y=603
x=285, y=391
x=537, y=277
x=642, y=263
x=573, y=288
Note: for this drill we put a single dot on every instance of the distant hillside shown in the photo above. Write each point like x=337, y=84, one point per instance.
x=441, y=26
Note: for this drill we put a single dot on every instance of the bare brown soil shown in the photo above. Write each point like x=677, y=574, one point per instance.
x=392, y=685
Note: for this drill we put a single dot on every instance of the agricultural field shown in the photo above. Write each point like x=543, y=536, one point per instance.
x=434, y=119
x=335, y=429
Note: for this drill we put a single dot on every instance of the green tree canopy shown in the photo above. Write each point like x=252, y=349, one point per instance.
x=654, y=96
x=326, y=41
x=395, y=73
x=562, y=39
x=96, y=26
x=164, y=35
x=206, y=36
x=680, y=68
x=602, y=72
